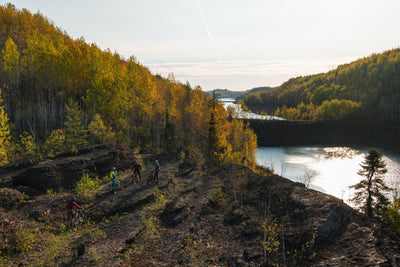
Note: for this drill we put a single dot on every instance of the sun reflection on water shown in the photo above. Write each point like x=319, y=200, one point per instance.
x=330, y=169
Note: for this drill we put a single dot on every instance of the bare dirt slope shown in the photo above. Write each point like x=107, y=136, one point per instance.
x=198, y=217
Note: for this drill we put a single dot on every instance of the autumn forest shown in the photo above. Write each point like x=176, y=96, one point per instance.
x=368, y=88
x=58, y=94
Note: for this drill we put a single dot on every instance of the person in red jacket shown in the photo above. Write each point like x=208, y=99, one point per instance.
x=72, y=206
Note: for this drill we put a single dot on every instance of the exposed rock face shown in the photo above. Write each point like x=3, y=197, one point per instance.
x=64, y=171
x=9, y=197
x=343, y=236
x=335, y=222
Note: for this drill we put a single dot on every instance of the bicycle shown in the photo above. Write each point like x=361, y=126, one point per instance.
x=78, y=218
x=136, y=177
x=152, y=179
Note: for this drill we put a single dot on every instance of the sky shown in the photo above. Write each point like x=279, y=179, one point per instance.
x=230, y=44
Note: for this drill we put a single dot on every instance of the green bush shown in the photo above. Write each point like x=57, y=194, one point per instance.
x=160, y=200
x=50, y=192
x=5, y=260
x=181, y=155
x=25, y=239
x=150, y=228
x=88, y=188
x=63, y=229
x=24, y=196
x=218, y=197
x=392, y=217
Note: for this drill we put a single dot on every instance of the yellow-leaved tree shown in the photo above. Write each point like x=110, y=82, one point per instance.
x=75, y=133
x=55, y=142
x=99, y=132
x=4, y=134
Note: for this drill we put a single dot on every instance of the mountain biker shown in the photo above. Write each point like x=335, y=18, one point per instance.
x=113, y=175
x=72, y=206
x=156, y=171
x=136, y=169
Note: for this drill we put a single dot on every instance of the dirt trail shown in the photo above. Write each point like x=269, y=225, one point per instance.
x=122, y=212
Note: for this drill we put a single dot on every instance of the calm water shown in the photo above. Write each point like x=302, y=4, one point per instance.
x=245, y=115
x=327, y=169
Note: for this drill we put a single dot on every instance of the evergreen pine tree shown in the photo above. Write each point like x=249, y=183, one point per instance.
x=75, y=133
x=369, y=192
x=212, y=132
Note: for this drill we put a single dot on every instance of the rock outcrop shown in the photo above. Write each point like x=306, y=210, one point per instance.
x=65, y=170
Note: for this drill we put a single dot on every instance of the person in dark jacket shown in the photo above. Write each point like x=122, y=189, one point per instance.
x=136, y=170
x=156, y=171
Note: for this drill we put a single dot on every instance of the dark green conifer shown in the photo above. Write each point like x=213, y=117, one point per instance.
x=370, y=191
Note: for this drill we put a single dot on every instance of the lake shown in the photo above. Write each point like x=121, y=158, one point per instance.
x=327, y=169
x=245, y=115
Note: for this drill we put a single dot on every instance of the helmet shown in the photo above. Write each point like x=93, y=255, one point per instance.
x=113, y=168
x=73, y=199
x=156, y=161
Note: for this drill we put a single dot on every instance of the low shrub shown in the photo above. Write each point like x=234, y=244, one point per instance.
x=159, y=205
x=88, y=188
x=25, y=239
x=218, y=196
x=392, y=217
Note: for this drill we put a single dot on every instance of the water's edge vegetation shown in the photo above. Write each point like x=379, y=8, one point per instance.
x=379, y=134
x=368, y=88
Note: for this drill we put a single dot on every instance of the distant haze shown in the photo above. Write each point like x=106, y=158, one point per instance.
x=232, y=44
x=242, y=76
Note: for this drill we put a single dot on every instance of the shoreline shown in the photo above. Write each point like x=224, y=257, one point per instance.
x=379, y=134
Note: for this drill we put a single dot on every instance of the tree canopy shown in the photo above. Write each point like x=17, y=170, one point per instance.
x=368, y=88
x=57, y=89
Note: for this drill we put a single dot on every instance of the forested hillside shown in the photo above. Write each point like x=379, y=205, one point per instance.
x=238, y=95
x=224, y=93
x=366, y=88
x=59, y=94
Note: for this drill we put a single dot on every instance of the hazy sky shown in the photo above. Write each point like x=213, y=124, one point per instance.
x=233, y=44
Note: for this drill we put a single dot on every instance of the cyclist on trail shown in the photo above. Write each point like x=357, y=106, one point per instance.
x=113, y=175
x=72, y=206
x=136, y=170
x=156, y=171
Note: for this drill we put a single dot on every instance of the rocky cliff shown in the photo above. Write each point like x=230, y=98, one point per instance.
x=36, y=176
